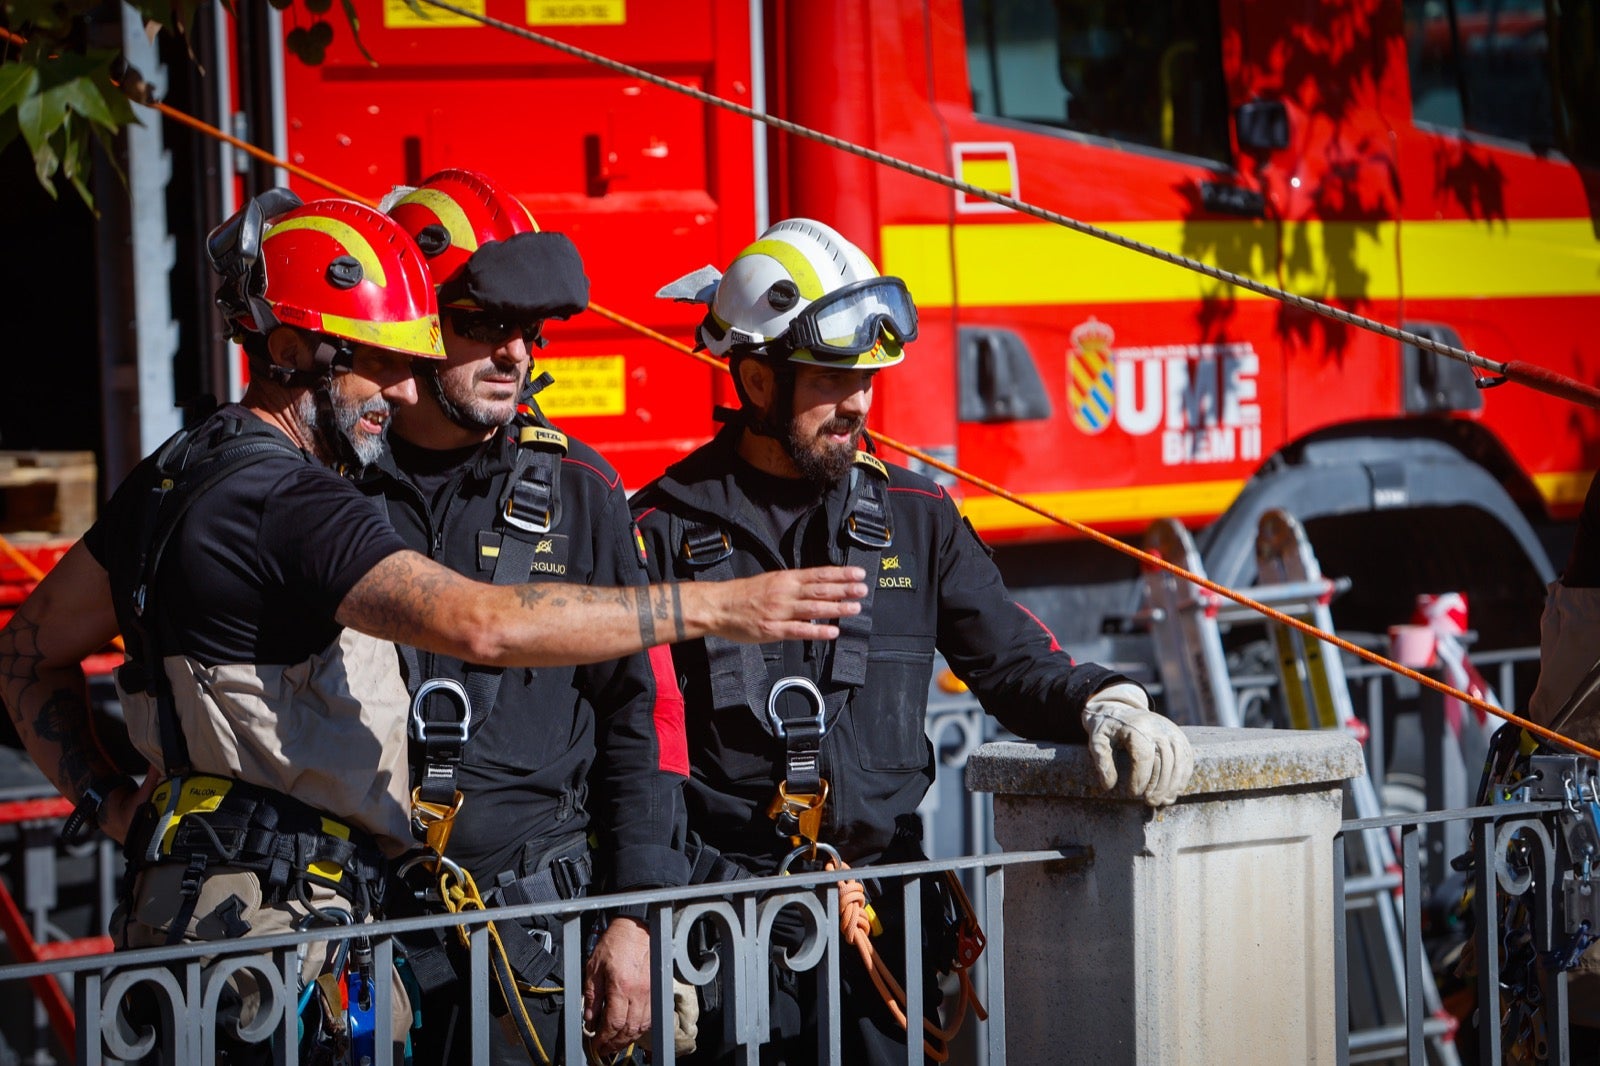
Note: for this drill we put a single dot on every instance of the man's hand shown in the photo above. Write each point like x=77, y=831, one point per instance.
x=116, y=816
x=782, y=605
x=616, y=987
x=1162, y=759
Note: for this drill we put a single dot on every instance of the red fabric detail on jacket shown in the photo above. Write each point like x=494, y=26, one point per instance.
x=671, y=741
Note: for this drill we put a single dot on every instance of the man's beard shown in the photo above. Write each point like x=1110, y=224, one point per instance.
x=470, y=414
x=822, y=462
x=364, y=447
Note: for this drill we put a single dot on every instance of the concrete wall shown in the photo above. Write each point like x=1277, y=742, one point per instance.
x=1198, y=934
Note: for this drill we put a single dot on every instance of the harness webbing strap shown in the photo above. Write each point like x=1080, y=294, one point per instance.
x=738, y=672
x=206, y=821
x=529, y=508
x=868, y=530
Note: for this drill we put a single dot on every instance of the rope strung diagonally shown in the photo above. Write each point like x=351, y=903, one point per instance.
x=1147, y=559
x=1533, y=376
x=972, y=479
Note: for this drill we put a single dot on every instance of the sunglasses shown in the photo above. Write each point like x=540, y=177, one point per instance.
x=487, y=328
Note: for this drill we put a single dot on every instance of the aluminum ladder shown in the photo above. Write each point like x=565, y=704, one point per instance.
x=1186, y=623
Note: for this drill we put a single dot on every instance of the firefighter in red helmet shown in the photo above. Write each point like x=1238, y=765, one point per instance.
x=552, y=756
x=258, y=590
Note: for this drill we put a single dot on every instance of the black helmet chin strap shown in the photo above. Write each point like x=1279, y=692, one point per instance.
x=328, y=431
x=775, y=423
x=330, y=356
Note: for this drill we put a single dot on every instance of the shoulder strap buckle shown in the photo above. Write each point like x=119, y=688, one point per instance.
x=866, y=519
x=705, y=545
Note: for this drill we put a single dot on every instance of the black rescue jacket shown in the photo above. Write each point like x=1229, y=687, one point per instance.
x=934, y=588
x=527, y=767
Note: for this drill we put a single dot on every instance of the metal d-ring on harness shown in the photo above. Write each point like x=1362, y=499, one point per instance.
x=796, y=810
x=435, y=799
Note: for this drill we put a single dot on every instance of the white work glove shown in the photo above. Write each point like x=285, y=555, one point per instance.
x=1120, y=716
x=686, y=1023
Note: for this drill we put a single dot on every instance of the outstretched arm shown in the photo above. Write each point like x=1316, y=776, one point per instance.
x=409, y=599
x=67, y=617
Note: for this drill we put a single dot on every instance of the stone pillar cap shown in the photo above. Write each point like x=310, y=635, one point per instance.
x=1225, y=760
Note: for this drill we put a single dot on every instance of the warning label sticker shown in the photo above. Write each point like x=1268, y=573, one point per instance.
x=398, y=15
x=584, y=387
x=577, y=12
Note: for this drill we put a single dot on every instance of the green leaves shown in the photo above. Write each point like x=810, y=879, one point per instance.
x=56, y=102
x=58, y=98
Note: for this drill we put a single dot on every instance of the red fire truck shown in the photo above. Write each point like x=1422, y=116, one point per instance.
x=1426, y=163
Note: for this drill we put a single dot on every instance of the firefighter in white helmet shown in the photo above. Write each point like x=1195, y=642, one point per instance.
x=797, y=747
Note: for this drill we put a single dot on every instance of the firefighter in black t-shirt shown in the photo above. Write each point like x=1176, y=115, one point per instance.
x=256, y=590
x=500, y=497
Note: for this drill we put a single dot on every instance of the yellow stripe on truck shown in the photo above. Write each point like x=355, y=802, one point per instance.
x=1039, y=264
x=1091, y=506
x=1506, y=257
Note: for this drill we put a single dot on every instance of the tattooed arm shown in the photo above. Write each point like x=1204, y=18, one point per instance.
x=409, y=599
x=66, y=618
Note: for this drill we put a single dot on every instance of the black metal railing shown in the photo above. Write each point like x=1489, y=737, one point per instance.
x=186, y=981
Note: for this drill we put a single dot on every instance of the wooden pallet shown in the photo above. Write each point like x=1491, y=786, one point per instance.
x=47, y=494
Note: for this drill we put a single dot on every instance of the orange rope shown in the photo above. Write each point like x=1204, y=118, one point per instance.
x=1156, y=561
x=35, y=574
x=857, y=930
x=23, y=562
x=261, y=154
x=972, y=479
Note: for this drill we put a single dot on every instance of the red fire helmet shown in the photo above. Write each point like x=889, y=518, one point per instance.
x=453, y=213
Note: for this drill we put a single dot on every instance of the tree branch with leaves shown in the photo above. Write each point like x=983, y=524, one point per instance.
x=57, y=93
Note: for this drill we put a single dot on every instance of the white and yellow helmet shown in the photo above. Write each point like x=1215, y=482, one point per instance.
x=803, y=293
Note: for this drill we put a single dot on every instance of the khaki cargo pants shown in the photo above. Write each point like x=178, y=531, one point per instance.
x=145, y=921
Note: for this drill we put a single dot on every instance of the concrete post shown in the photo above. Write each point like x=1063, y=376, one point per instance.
x=1198, y=934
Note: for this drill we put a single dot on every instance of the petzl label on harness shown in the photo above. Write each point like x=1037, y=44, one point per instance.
x=553, y=438
x=872, y=462
x=198, y=795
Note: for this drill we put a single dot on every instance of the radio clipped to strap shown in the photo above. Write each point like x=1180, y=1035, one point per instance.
x=435, y=799
x=796, y=810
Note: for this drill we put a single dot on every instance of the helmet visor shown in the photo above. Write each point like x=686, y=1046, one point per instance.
x=850, y=320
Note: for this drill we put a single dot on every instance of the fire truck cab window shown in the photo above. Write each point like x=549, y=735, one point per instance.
x=1136, y=71
x=1524, y=70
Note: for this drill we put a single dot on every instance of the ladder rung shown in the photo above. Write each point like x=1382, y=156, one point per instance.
x=1391, y=1039
x=1371, y=884
x=1289, y=594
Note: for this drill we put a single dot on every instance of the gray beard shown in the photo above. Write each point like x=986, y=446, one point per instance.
x=343, y=427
